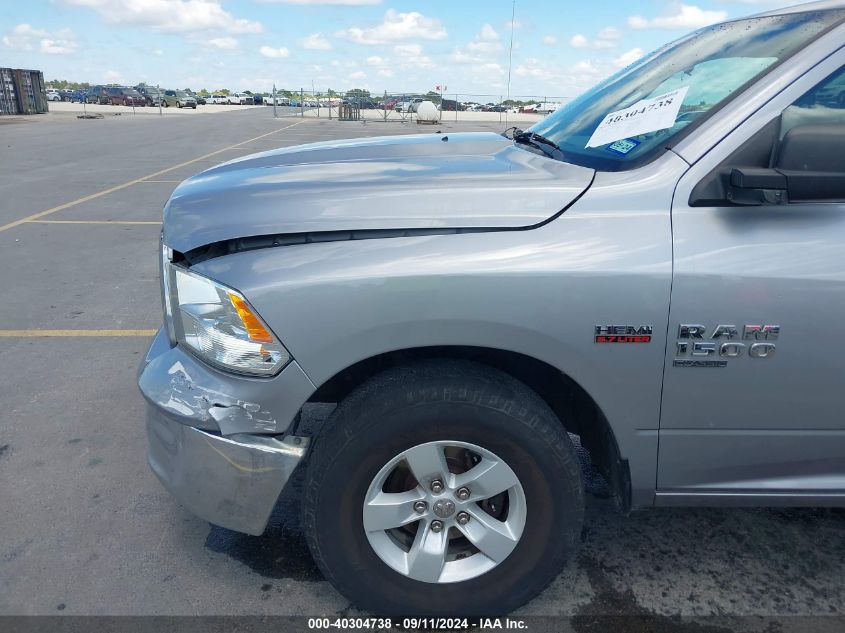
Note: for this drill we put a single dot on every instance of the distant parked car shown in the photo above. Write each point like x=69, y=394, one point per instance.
x=280, y=101
x=450, y=105
x=53, y=95
x=198, y=98
x=409, y=105
x=179, y=98
x=258, y=99
x=152, y=95
x=119, y=95
x=76, y=96
x=365, y=103
x=97, y=94
x=240, y=98
x=216, y=99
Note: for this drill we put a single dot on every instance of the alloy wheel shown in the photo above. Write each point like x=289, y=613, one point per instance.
x=444, y=511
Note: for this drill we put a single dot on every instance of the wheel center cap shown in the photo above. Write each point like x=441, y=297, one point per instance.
x=444, y=508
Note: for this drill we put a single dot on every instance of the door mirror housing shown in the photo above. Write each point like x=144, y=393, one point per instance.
x=810, y=167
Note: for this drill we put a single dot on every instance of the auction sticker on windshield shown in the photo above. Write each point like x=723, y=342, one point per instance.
x=647, y=115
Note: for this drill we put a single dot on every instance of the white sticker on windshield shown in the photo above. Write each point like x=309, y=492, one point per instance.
x=648, y=115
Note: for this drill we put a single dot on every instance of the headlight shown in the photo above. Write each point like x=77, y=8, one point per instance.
x=218, y=325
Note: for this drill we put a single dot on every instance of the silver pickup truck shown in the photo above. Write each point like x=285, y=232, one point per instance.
x=657, y=268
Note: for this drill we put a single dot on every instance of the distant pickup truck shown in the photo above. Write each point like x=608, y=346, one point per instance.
x=240, y=98
x=546, y=107
x=657, y=268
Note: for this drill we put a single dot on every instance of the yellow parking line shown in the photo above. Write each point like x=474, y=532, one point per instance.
x=73, y=333
x=105, y=192
x=92, y=222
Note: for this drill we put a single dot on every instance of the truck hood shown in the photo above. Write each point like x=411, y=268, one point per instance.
x=426, y=181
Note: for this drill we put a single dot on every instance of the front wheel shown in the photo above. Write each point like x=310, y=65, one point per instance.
x=444, y=488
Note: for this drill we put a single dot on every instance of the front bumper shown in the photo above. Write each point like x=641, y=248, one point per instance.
x=220, y=442
x=232, y=481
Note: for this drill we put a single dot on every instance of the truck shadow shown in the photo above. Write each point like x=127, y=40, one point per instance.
x=742, y=561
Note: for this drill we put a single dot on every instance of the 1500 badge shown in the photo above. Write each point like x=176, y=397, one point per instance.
x=694, y=348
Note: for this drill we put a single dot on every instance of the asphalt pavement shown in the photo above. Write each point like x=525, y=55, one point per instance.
x=85, y=528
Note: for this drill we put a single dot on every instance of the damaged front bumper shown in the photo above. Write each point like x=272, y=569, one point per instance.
x=225, y=457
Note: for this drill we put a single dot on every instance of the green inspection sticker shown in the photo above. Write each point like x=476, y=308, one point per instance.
x=623, y=146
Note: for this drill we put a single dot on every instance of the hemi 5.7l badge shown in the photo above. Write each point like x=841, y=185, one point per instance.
x=623, y=333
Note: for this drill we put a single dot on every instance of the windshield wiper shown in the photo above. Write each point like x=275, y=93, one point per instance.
x=532, y=139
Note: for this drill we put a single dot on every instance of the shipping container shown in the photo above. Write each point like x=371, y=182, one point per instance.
x=22, y=91
x=8, y=96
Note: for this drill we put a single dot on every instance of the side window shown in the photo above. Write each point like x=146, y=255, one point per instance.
x=823, y=105
x=797, y=157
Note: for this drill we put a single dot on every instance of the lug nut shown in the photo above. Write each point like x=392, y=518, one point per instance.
x=437, y=486
x=420, y=507
x=463, y=493
x=437, y=526
x=463, y=518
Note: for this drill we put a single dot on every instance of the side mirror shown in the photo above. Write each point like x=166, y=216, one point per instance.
x=813, y=161
x=810, y=167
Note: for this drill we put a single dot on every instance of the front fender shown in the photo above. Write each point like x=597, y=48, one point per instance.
x=539, y=292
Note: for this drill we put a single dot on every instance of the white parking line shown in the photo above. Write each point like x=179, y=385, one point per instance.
x=105, y=192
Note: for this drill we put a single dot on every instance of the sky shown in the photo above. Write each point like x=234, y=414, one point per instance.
x=560, y=47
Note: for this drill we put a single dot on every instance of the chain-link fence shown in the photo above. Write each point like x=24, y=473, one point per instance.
x=387, y=106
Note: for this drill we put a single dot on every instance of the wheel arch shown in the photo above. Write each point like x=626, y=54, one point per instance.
x=577, y=410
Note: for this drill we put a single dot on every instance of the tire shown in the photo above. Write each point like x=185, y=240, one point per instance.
x=414, y=407
x=179, y=104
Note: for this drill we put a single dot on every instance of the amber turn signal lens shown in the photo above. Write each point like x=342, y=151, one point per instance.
x=256, y=331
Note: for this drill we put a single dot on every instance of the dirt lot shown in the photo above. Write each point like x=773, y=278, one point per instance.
x=87, y=529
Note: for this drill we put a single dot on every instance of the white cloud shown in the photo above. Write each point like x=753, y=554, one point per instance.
x=385, y=72
x=550, y=40
x=536, y=70
x=316, y=42
x=26, y=38
x=682, y=16
x=579, y=41
x=607, y=38
x=625, y=59
x=395, y=27
x=113, y=77
x=274, y=53
x=408, y=50
x=609, y=33
x=486, y=41
x=358, y=74
x=488, y=34
x=223, y=43
x=173, y=16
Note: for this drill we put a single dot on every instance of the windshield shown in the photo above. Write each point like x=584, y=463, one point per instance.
x=629, y=118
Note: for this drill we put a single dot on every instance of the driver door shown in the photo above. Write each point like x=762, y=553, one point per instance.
x=754, y=386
